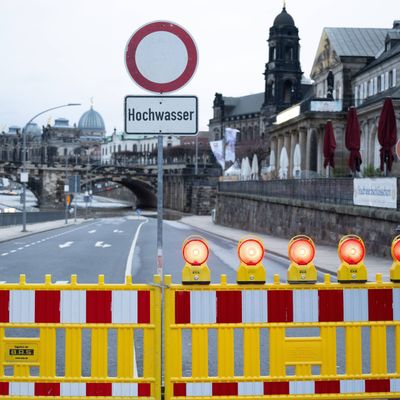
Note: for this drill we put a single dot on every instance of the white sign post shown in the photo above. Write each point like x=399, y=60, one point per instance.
x=161, y=57
x=161, y=115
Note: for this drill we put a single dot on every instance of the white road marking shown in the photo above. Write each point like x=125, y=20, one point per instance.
x=92, y=231
x=117, y=231
x=61, y=282
x=128, y=271
x=20, y=248
x=102, y=244
x=27, y=245
x=4, y=254
x=66, y=244
x=3, y=282
x=13, y=251
x=128, y=268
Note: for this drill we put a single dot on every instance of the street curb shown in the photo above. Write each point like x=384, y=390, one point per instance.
x=40, y=231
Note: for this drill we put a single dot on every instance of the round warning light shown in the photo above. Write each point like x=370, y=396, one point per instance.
x=351, y=249
x=301, y=250
x=396, y=248
x=195, y=250
x=250, y=251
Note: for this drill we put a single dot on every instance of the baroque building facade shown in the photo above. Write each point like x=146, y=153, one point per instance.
x=284, y=86
x=56, y=143
x=352, y=67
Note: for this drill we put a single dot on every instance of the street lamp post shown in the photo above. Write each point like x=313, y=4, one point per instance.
x=24, y=176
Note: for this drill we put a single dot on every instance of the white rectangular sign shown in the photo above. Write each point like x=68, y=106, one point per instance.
x=330, y=106
x=24, y=177
x=375, y=192
x=170, y=115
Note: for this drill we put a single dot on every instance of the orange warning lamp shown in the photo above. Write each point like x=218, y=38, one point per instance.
x=195, y=253
x=301, y=251
x=351, y=251
x=395, y=269
x=251, y=253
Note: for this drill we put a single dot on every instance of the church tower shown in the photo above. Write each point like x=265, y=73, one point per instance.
x=282, y=72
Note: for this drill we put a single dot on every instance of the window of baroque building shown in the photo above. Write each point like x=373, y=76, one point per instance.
x=289, y=53
x=390, y=76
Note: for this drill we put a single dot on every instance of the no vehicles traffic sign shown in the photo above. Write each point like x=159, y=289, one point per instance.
x=161, y=57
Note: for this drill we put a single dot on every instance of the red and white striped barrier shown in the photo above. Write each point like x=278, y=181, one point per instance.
x=75, y=306
x=301, y=305
x=289, y=388
x=74, y=389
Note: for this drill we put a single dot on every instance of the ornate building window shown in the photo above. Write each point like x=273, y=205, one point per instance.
x=287, y=92
x=272, y=53
x=289, y=54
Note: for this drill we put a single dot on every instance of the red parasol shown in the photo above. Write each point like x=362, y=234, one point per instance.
x=387, y=134
x=329, y=145
x=352, y=139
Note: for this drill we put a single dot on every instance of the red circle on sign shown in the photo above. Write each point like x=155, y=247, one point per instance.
x=131, y=63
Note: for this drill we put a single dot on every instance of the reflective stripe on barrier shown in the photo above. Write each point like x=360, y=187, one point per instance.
x=80, y=340
x=307, y=305
x=274, y=340
x=74, y=389
x=76, y=307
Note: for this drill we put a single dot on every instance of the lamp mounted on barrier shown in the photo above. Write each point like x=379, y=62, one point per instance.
x=395, y=269
x=301, y=251
x=251, y=269
x=351, y=251
x=195, y=253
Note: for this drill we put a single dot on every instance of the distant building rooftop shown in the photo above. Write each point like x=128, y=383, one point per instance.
x=363, y=42
x=250, y=104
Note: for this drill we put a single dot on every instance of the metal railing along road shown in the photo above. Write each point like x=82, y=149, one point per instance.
x=7, y=219
x=322, y=190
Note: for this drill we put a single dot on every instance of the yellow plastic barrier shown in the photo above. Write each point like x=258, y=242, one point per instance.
x=262, y=350
x=74, y=340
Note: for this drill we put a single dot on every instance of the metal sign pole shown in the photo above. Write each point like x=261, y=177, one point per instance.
x=160, y=201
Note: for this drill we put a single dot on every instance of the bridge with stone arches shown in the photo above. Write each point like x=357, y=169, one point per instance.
x=183, y=190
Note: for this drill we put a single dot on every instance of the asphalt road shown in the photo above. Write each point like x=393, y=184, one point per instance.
x=103, y=246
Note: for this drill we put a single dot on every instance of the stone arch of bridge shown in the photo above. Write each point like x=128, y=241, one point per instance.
x=144, y=192
x=33, y=183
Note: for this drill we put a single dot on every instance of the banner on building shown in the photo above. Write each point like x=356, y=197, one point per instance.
x=375, y=192
x=230, y=142
x=329, y=106
x=217, y=147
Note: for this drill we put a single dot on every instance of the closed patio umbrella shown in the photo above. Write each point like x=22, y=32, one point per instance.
x=353, y=139
x=254, y=167
x=329, y=145
x=387, y=134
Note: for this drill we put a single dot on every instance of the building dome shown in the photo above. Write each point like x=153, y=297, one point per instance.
x=33, y=129
x=284, y=19
x=91, y=121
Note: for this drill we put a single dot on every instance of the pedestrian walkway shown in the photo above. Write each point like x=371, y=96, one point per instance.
x=15, y=231
x=326, y=258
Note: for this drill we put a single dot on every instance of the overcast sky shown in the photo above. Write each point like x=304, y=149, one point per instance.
x=54, y=52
